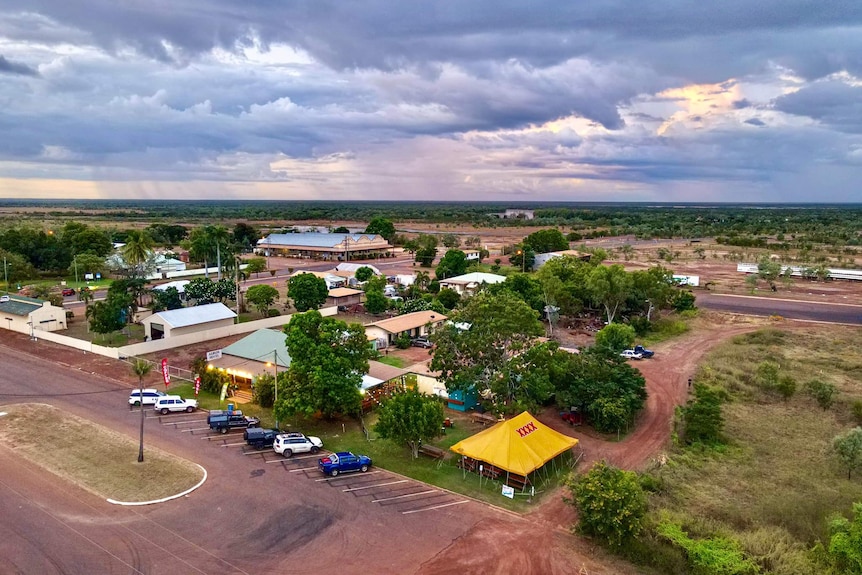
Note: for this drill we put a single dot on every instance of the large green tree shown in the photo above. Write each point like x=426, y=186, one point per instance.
x=411, y=418
x=502, y=327
x=611, y=504
x=137, y=253
x=261, y=296
x=427, y=249
x=363, y=274
x=202, y=290
x=307, y=292
x=381, y=226
x=327, y=360
x=375, y=301
x=544, y=241
x=615, y=337
x=609, y=286
x=564, y=279
x=453, y=263
x=254, y=266
x=166, y=299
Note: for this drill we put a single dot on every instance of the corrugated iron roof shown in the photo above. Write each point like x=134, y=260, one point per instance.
x=194, y=315
x=261, y=345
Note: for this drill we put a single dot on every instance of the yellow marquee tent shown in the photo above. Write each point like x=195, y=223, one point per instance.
x=519, y=445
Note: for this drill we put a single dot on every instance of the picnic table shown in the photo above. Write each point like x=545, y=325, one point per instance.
x=483, y=418
x=432, y=451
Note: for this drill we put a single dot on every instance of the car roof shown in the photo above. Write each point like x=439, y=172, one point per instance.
x=145, y=390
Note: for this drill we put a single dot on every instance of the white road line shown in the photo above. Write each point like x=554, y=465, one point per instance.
x=375, y=485
x=183, y=422
x=345, y=476
x=279, y=460
x=435, y=507
x=404, y=496
x=303, y=469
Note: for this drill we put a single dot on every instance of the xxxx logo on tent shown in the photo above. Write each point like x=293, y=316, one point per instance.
x=527, y=429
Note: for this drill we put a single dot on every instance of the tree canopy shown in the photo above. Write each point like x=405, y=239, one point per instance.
x=327, y=360
x=411, y=418
x=381, y=226
x=453, y=263
x=544, y=241
x=261, y=296
x=307, y=292
x=848, y=448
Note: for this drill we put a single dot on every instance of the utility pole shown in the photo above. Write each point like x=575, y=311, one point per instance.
x=5, y=275
x=218, y=258
x=346, y=248
x=237, y=288
x=275, y=382
x=75, y=261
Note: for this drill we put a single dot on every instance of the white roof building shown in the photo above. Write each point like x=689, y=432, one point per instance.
x=187, y=320
x=469, y=283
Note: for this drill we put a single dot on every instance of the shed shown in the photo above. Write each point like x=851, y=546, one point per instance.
x=29, y=315
x=469, y=283
x=344, y=297
x=187, y=320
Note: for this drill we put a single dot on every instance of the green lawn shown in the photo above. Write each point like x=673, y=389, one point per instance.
x=392, y=360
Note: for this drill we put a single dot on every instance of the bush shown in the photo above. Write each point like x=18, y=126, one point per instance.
x=702, y=417
x=718, y=555
x=615, y=337
x=857, y=411
x=264, y=390
x=403, y=341
x=641, y=325
x=272, y=312
x=822, y=392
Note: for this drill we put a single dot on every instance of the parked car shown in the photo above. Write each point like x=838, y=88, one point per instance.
x=259, y=438
x=421, y=342
x=169, y=403
x=631, y=354
x=343, y=461
x=646, y=353
x=224, y=421
x=286, y=444
x=68, y=291
x=150, y=396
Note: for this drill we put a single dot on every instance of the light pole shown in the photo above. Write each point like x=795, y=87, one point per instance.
x=523, y=255
x=75, y=262
x=275, y=382
x=5, y=275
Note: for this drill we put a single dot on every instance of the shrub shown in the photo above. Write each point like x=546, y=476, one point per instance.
x=641, y=325
x=402, y=341
x=786, y=386
x=857, y=411
x=718, y=555
x=264, y=390
x=702, y=417
x=272, y=312
x=822, y=392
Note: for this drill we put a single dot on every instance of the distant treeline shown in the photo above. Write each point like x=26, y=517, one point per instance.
x=747, y=226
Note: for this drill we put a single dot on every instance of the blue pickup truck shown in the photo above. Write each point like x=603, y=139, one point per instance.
x=343, y=461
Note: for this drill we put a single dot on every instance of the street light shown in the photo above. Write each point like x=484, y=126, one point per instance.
x=523, y=257
x=5, y=275
x=275, y=369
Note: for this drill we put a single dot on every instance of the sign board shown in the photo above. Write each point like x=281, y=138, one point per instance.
x=98, y=276
x=165, y=372
x=213, y=355
x=508, y=492
x=88, y=276
x=223, y=392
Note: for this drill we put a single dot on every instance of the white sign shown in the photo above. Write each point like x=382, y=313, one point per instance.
x=213, y=355
x=508, y=492
x=88, y=276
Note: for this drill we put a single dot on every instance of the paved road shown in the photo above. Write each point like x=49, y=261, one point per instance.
x=791, y=309
x=253, y=515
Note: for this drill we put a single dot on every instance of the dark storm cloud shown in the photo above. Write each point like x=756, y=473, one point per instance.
x=755, y=122
x=835, y=103
x=7, y=67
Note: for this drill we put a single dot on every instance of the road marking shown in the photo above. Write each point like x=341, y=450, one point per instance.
x=303, y=469
x=375, y=485
x=403, y=496
x=340, y=476
x=194, y=429
x=434, y=507
x=182, y=422
x=232, y=444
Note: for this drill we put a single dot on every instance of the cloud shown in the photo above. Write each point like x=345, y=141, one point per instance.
x=835, y=102
x=755, y=122
x=7, y=67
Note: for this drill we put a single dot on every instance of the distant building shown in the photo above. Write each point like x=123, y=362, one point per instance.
x=515, y=214
x=29, y=315
x=331, y=247
x=469, y=283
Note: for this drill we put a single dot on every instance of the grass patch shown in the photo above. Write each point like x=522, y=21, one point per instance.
x=392, y=360
x=774, y=485
x=667, y=328
x=95, y=458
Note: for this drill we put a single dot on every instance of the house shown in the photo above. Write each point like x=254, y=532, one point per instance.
x=542, y=259
x=29, y=315
x=472, y=255
x=469, y=283
x=343, y=297
x=414, y=324
x=332, y=281
x=320, y=246
x=187, y=320
x=515, y=214
x=261, y=352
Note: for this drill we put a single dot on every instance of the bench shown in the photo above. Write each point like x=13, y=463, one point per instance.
x=431, y=451
x=483, y=418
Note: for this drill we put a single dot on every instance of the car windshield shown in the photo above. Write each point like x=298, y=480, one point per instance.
x=333, y=458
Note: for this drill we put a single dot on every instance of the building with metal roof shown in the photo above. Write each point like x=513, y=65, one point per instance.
x=29, y=315
x=469, y=283
x=415, y=324
x=187, y=320
x=331, y=247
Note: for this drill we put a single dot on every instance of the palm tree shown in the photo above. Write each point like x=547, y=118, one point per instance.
x=136, y=252
x=422, y=280
x=141, y=368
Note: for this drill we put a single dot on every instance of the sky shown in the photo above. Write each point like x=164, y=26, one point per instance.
x=496, y=100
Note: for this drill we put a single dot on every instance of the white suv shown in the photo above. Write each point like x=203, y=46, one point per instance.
x=150, y=396
x=168, y=403
x=287, y=444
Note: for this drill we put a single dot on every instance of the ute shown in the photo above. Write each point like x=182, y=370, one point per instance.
x=343, y=461
x=645, y=353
